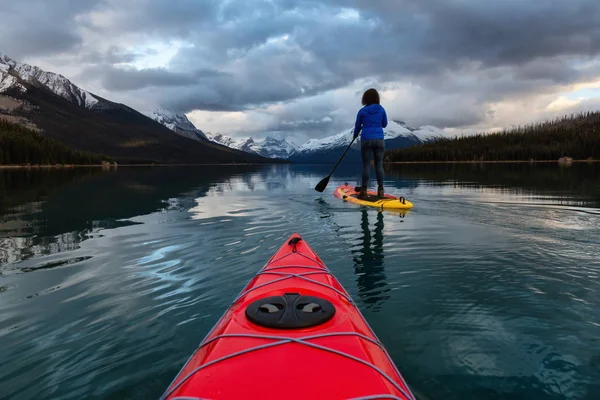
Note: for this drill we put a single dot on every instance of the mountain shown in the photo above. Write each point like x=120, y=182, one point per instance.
x=276, y=148
x=21, y=146
x=574, y=136
x=268, y=147
x=81, y=120
x=177, y=122
x=396, y=135
x=12, y=71
x=221, y=139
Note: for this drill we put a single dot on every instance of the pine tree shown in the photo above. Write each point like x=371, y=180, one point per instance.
x=576, y=136
x=20, y=145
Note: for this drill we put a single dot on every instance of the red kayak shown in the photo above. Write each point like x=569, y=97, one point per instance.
x=292, y=333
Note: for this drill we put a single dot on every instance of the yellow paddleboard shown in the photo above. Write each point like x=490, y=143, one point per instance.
x=388, y=202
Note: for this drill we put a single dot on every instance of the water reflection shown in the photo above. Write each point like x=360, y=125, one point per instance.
x=474, y=299
x=577, y=185
x=368, y=263
x=53, y=211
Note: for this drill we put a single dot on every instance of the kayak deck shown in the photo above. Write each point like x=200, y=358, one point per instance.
x=388, y=202
x=295, y=333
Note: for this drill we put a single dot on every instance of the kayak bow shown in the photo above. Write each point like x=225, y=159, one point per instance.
x=294, y=333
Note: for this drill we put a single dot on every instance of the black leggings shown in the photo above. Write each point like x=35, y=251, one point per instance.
x=375, y=147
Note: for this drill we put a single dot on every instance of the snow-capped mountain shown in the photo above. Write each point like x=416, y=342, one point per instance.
x=11, y=71
x=325, y=144
x=424, y=133
x=85, y=121
x=396, y=135
x=247, y=144
x=177, y=122
x=8, y=81
x=269, y=147
x=221, y=139
x=276, y=148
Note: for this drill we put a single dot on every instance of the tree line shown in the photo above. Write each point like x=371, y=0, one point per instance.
x=20, y=146
x=576, y=136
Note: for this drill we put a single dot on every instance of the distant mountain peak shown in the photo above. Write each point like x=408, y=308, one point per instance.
x=177, y=122
x=269, y=147
x=84, y=121
x=396, y=134
x=404, y=124
x=13, y=72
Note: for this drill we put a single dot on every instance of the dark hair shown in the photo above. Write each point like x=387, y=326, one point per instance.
x=370, y=97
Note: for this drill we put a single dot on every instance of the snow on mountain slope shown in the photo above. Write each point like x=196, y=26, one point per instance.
x=327, y=143
x=11, y=70
x=269, y=147
x=396, y=134
x=9, y=82
x=394, y=130
x=177, y=122
x=220, y=138
x=276, y=148
x=428, y=132
x=245, y=144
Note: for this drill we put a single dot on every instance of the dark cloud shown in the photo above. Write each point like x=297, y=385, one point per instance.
x=245, y=54
x=421, y=41
x=40, y=28
x=23, y=41
x=555, y=70
x=110, y=57
x=127, y=79
x=132, y=79
x=516, y=32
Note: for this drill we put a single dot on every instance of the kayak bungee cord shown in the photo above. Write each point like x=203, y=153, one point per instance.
x=384, y=396
x=300, y=276
x=299, y=254
x=270, y=307
x=374, y=397
x=285, y=340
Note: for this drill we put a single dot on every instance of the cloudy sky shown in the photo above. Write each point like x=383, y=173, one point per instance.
x=297, y=68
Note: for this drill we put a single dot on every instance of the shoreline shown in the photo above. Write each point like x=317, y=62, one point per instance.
x=110, y=167
x=72, y=166
x=493, y=162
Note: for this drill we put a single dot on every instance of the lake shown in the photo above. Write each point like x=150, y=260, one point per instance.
x=488, y=289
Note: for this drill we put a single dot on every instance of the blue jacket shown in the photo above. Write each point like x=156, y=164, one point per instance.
x=371, y=120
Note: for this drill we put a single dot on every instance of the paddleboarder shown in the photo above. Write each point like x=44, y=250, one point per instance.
x=370, y=121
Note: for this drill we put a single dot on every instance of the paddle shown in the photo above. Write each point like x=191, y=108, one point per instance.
x=323, y=184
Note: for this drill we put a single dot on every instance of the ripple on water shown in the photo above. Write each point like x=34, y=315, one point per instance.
x=473, y=297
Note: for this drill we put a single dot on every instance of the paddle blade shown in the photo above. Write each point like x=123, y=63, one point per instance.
x=322, y=185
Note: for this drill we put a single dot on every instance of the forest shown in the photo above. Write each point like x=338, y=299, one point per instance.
x=21, y=146
x=576, y=136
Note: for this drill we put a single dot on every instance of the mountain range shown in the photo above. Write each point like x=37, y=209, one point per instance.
x=53, y=105
x=82, y=120
x=397, y=134
x=268, y=147
x=177, y=122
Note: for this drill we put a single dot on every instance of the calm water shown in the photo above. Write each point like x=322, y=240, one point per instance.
x=488, y=289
